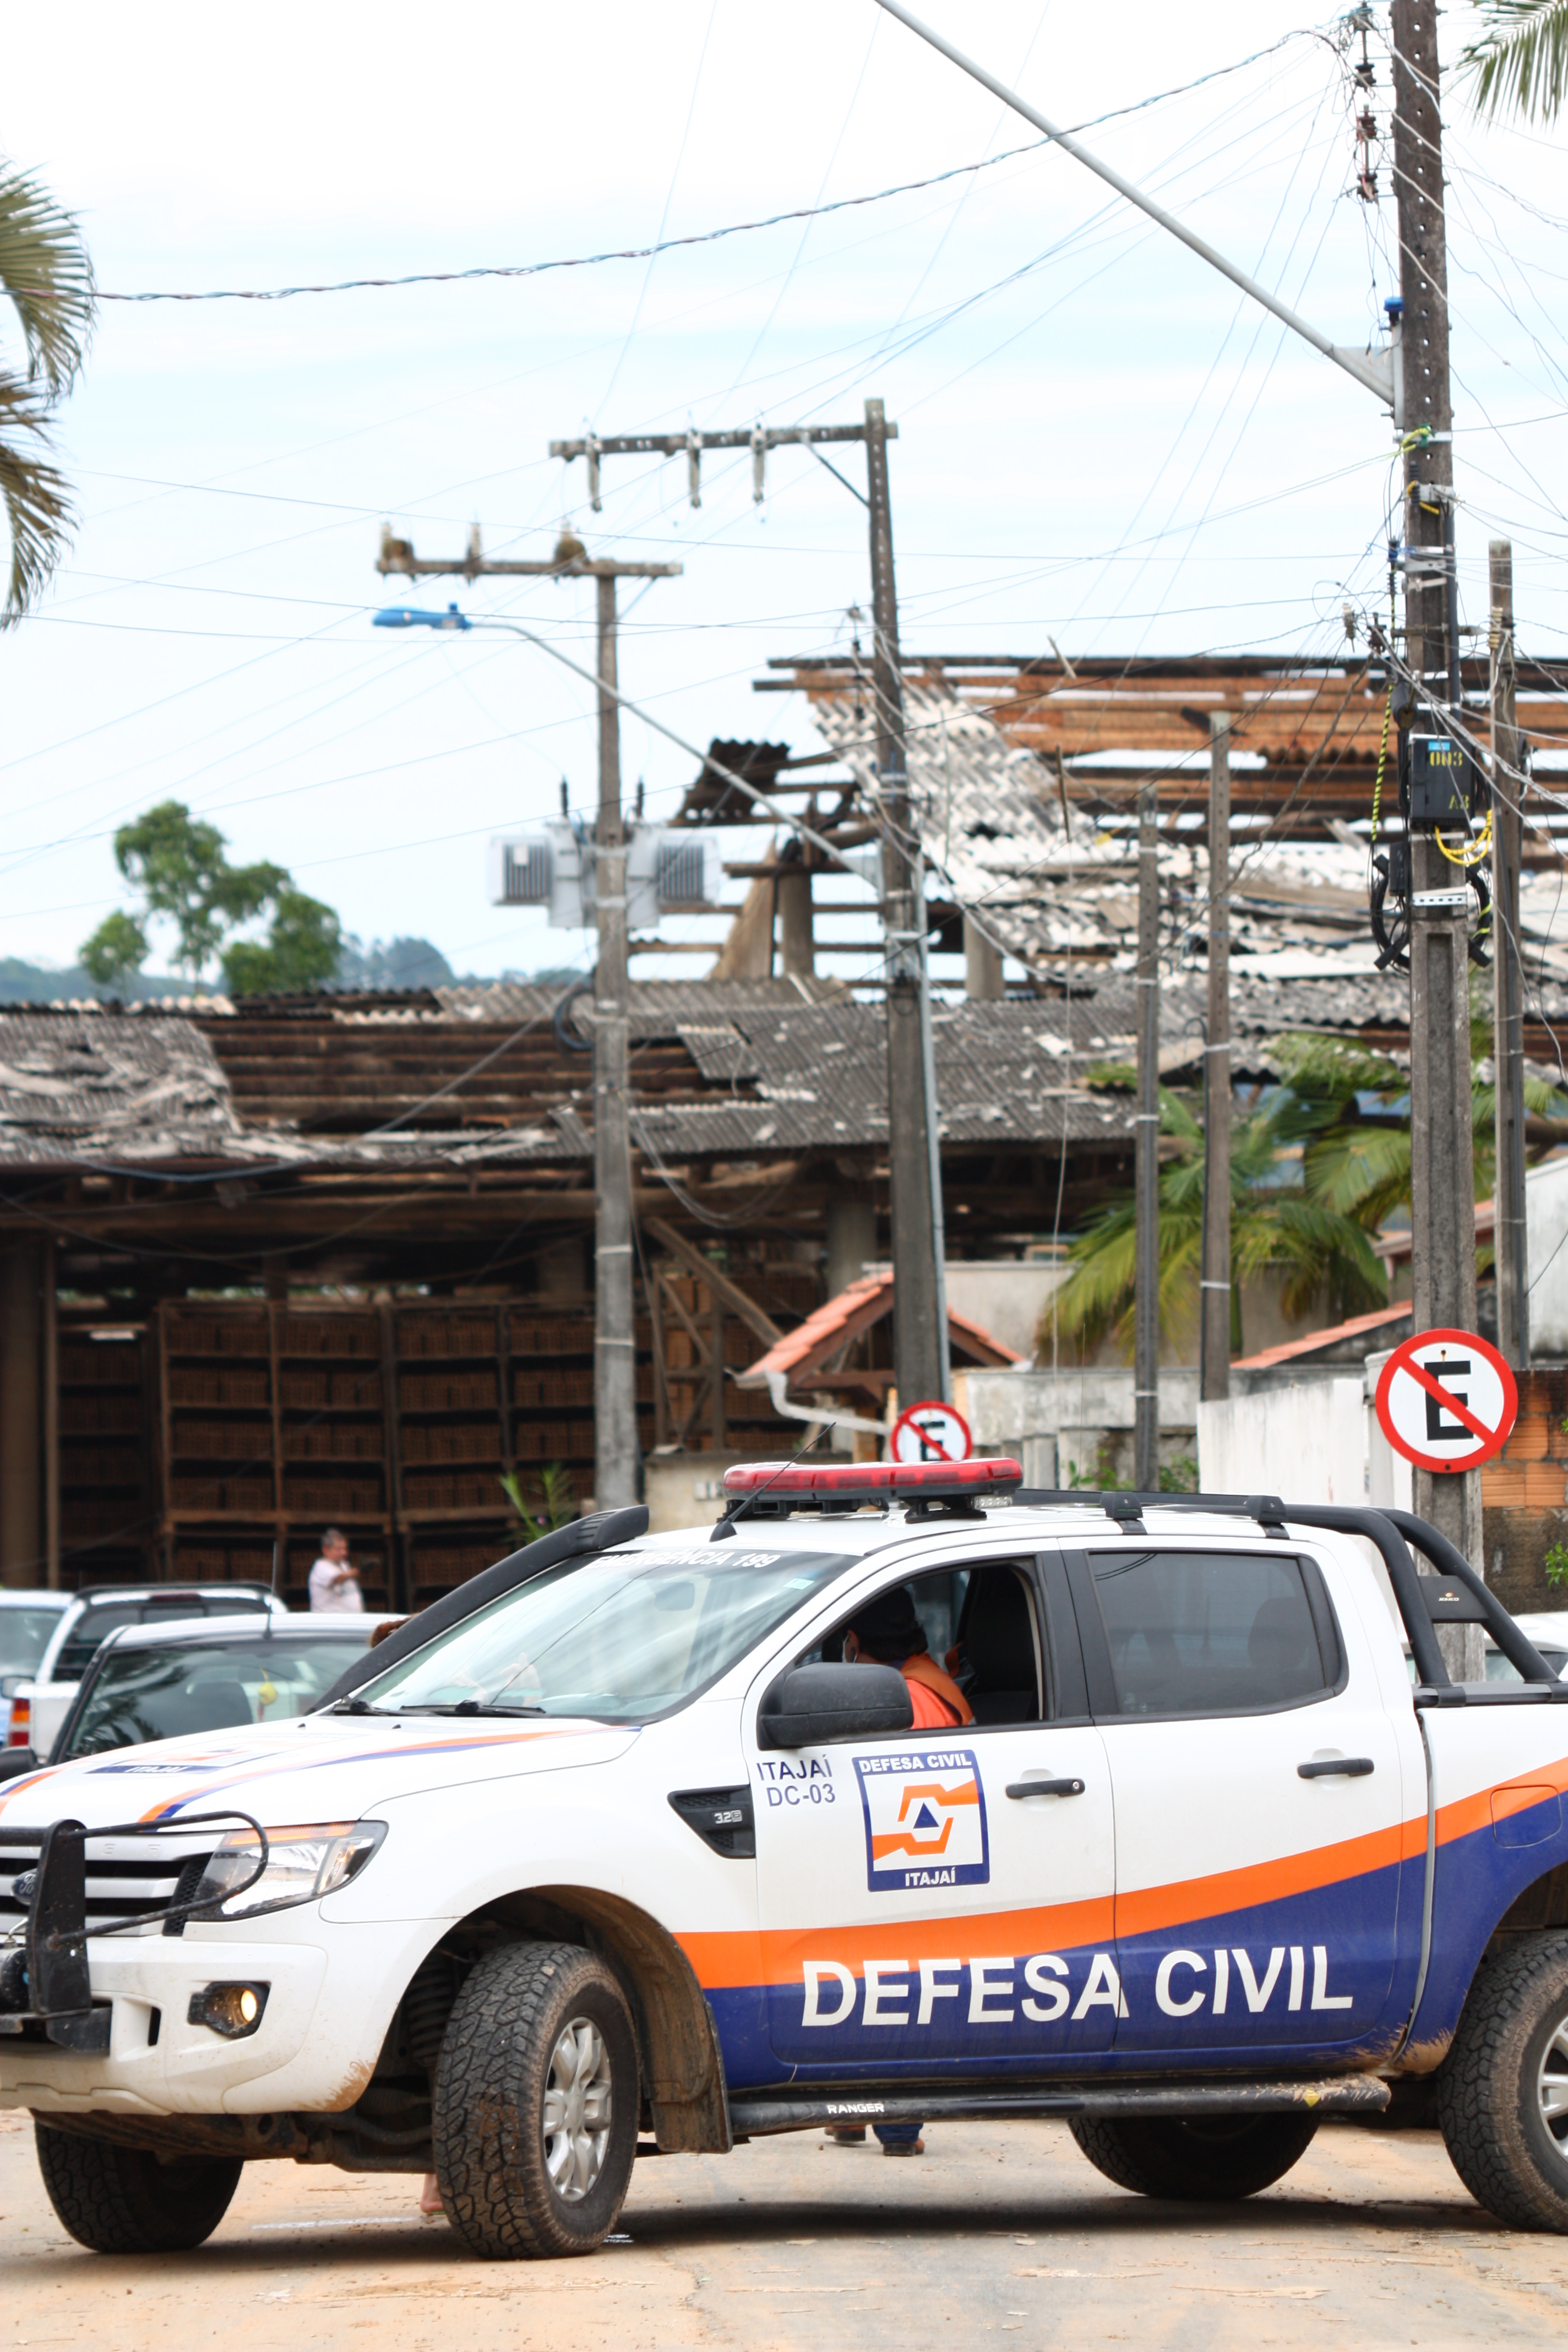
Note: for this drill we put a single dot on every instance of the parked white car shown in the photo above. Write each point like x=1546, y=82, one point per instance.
x=40, y=1705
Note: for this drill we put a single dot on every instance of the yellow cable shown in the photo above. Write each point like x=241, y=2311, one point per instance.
x=1473, y=851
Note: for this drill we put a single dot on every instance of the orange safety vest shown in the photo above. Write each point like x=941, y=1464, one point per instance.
x=936, y=1698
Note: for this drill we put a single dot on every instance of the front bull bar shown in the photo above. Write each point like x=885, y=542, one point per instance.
x=46, y=1981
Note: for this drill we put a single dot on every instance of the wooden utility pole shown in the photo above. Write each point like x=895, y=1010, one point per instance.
x=1442, y=1189
x=1508, y=1189
x=1213, y=1354
x=919, y=1313
x=617, y=1459
x=1147, y=1125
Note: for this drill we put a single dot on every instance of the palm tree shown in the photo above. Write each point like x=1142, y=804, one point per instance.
x=1520, y=62
x=45, y=272
x=1275, y=1221
x=1317, y=1167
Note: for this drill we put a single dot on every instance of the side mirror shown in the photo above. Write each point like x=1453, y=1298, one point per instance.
x=16, y=1760
x=10, y=1685
x=809, y=1705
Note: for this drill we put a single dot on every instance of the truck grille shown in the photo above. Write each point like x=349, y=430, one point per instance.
x=125, y=1874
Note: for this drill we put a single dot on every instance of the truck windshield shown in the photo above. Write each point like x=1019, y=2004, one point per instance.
x=627, y=1636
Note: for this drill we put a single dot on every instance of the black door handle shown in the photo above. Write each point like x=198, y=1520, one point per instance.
x=1326, y=1768
x=1044, y=1788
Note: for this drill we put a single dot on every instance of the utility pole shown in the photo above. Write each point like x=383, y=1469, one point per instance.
x=920, y=1354
x=1213, y=1380
x=921, y=1364
x=616, y=1453
x=1146, y=1163
x=1442, y=1189
x=1508, y=1189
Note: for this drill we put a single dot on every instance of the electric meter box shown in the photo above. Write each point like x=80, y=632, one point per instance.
x=1442, y=781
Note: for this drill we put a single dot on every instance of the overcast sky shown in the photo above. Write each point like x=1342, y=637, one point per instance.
x=1099, y=441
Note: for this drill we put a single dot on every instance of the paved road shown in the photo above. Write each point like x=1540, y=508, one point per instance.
x=791, y=2243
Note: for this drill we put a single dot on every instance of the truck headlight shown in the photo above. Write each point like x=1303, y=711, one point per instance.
x=302, y=1864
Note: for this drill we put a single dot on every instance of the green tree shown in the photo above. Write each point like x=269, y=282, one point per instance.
x=1520, y=62
x=179, y=865
x=300, y=952
x=47, y=274
x=1274, y=1222
x=1317, y=1168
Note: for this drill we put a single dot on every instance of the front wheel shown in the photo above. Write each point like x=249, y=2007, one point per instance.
x=536, y=2103
x=126, y=2200
x=1213, y=2160
x=1503, y=2094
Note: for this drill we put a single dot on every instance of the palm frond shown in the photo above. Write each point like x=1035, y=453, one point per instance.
x=46, y=269
x=1520, y=62
x=36, y=496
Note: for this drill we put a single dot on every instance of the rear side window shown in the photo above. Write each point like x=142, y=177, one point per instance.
x=1213, y=1632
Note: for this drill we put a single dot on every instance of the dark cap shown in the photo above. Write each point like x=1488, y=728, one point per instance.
x=887, y=1627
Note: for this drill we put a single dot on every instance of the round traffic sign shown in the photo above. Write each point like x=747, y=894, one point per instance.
x=1446, y=1401
x=931, y=1432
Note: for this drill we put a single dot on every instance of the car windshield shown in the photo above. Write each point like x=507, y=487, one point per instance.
x=626, y=1635
x=157, y=1692
x=24, y=1638
x=101, y=1617
x=1503, y=1670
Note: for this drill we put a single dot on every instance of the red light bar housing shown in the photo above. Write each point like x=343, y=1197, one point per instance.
x=799, y=1485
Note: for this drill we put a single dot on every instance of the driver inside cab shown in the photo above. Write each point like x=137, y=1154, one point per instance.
x=888, y=1631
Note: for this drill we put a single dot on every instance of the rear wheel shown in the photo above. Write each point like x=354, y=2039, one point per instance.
x=1212, y=2159
x=125, y=2201
x=1502, y=2095
x=536, y=2103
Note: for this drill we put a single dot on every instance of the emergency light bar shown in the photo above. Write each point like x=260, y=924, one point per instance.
x=872, y=1482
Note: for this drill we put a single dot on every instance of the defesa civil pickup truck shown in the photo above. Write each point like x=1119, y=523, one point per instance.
x=611, y=1852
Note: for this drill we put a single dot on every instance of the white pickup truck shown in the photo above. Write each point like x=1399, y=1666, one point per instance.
x=1140, y=1822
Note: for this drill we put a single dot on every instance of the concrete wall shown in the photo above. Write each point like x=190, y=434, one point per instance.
x=685, y=1490
x=1068, y=1427
x=1308, y=1443
x=1546, y=1243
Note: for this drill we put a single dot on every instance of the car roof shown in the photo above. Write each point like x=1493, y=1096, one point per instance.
x=191, y=1632
x=1007, y=1522
x=93, y=1593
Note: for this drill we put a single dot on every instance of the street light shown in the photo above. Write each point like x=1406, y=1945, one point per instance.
x=403, y=616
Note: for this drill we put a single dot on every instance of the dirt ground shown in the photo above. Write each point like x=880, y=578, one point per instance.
x=996, y=2230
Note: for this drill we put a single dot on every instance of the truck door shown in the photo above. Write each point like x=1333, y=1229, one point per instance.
x=924, y=1899
x=1258, y=1778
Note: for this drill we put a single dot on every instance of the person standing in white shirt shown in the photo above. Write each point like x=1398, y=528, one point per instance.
x=335, y=1586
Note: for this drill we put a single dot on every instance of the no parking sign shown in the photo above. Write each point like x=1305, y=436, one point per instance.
x=1446, y=1401
x=933, y=1432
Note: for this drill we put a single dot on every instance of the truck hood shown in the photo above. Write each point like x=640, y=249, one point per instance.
x=330, y=1768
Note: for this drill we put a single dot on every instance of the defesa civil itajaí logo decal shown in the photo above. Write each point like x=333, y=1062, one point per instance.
x=925, y=1819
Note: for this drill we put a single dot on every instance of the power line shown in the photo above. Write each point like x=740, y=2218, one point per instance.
x=700, y=236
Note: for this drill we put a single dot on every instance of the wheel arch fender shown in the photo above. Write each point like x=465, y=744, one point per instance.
x=677, y=2044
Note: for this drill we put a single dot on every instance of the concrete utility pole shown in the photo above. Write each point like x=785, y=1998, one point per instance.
x=1508, y=1189
x=615, y=1454
x=921, y=1361
x=921, y=1355
x=1146, y=1165
x=1442, y=1185
x=1213, y=1380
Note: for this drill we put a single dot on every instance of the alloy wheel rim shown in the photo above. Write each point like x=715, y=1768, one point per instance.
x=1552, y=2088
x=577, y=2110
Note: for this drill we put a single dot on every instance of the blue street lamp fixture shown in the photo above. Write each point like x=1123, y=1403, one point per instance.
x=403, y=616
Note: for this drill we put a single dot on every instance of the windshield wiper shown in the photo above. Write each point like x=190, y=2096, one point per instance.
x=473, y=1707
x=358, y=1706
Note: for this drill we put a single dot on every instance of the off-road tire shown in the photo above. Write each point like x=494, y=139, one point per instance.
x=487, y=2124
x=1489, y=2097
x=1211, y=2161
x=124, y=2200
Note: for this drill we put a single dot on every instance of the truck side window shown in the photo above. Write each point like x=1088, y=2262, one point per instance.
x=1220, y=1632
x=982, y=1620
